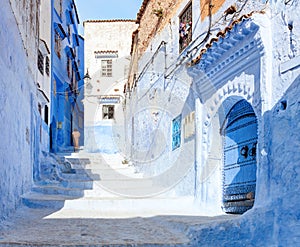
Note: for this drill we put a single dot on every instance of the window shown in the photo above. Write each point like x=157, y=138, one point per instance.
x=57, y=44
x=176, y=132
x=47, y=66
x=40, y=62
x=106, y=68
x=46, y=113
x=108, y=112
x=185, y=28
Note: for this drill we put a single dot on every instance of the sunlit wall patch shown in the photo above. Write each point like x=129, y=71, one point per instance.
x=176, y=132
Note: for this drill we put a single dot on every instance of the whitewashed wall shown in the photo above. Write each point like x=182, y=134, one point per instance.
x=102, y=39
x=18, y=108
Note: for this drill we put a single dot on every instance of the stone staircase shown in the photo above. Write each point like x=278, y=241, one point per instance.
x=100, y=185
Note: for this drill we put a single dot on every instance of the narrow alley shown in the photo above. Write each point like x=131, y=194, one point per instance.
x=169, y=123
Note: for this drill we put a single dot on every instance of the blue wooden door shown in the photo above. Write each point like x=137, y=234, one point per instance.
x=239, y=171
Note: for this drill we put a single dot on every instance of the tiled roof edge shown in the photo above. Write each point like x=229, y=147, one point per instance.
x=221, y=34
x=141, y=11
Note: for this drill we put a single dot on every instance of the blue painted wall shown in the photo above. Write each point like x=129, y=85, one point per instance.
x=63, y=93
x=78, y=120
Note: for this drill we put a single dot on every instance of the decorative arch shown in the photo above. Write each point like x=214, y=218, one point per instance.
x=233, y=68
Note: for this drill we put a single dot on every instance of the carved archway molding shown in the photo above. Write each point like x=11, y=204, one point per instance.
x=233, y=66
x=241, y=71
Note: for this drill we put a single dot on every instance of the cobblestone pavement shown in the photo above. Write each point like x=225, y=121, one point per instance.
x=36, y=227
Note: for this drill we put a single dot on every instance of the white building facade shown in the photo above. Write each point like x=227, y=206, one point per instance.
x=107, y=59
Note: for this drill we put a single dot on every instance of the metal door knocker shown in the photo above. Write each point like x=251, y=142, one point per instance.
x=252, y=151
x=244, y=151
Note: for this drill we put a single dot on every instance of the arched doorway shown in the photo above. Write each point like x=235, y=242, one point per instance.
x=239, y=132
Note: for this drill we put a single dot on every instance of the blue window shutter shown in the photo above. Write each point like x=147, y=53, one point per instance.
x=69, y=52
x=69, y=16
x=59, y=29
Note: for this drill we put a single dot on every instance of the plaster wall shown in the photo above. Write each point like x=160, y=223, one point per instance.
x=27, y=18
x=64, y=91
x=275, y=222
x=274, y=72
x=252, y=81
x=162, y=93
x=45, y=46
x=18, y=112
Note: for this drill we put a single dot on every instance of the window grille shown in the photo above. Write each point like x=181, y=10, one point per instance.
x=176, y=132
x=185, y=28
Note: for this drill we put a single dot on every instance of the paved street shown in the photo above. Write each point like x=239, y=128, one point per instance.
x=99, y=217
x=40, y=227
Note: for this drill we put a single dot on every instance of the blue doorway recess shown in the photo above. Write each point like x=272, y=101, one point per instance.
x=239, y=162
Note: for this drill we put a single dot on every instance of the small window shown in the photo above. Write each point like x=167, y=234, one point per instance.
x=47, y=66
x=176, y=132
x=46, y=114
x=185, y=28
x=106, y=68
x=108, y=111
x=40, y=62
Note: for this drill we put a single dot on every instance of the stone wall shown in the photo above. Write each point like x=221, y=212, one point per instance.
x=154, y=16
x=205, y=5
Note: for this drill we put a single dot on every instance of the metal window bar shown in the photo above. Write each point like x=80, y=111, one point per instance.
x=185, y=28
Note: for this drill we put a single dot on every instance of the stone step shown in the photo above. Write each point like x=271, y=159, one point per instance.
x=125, y=183
x=78, y=160
x=111, y=206
x=38, y=200
x=76, y=183
x=83, y=175
x=58, y=190
x=109, y=173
